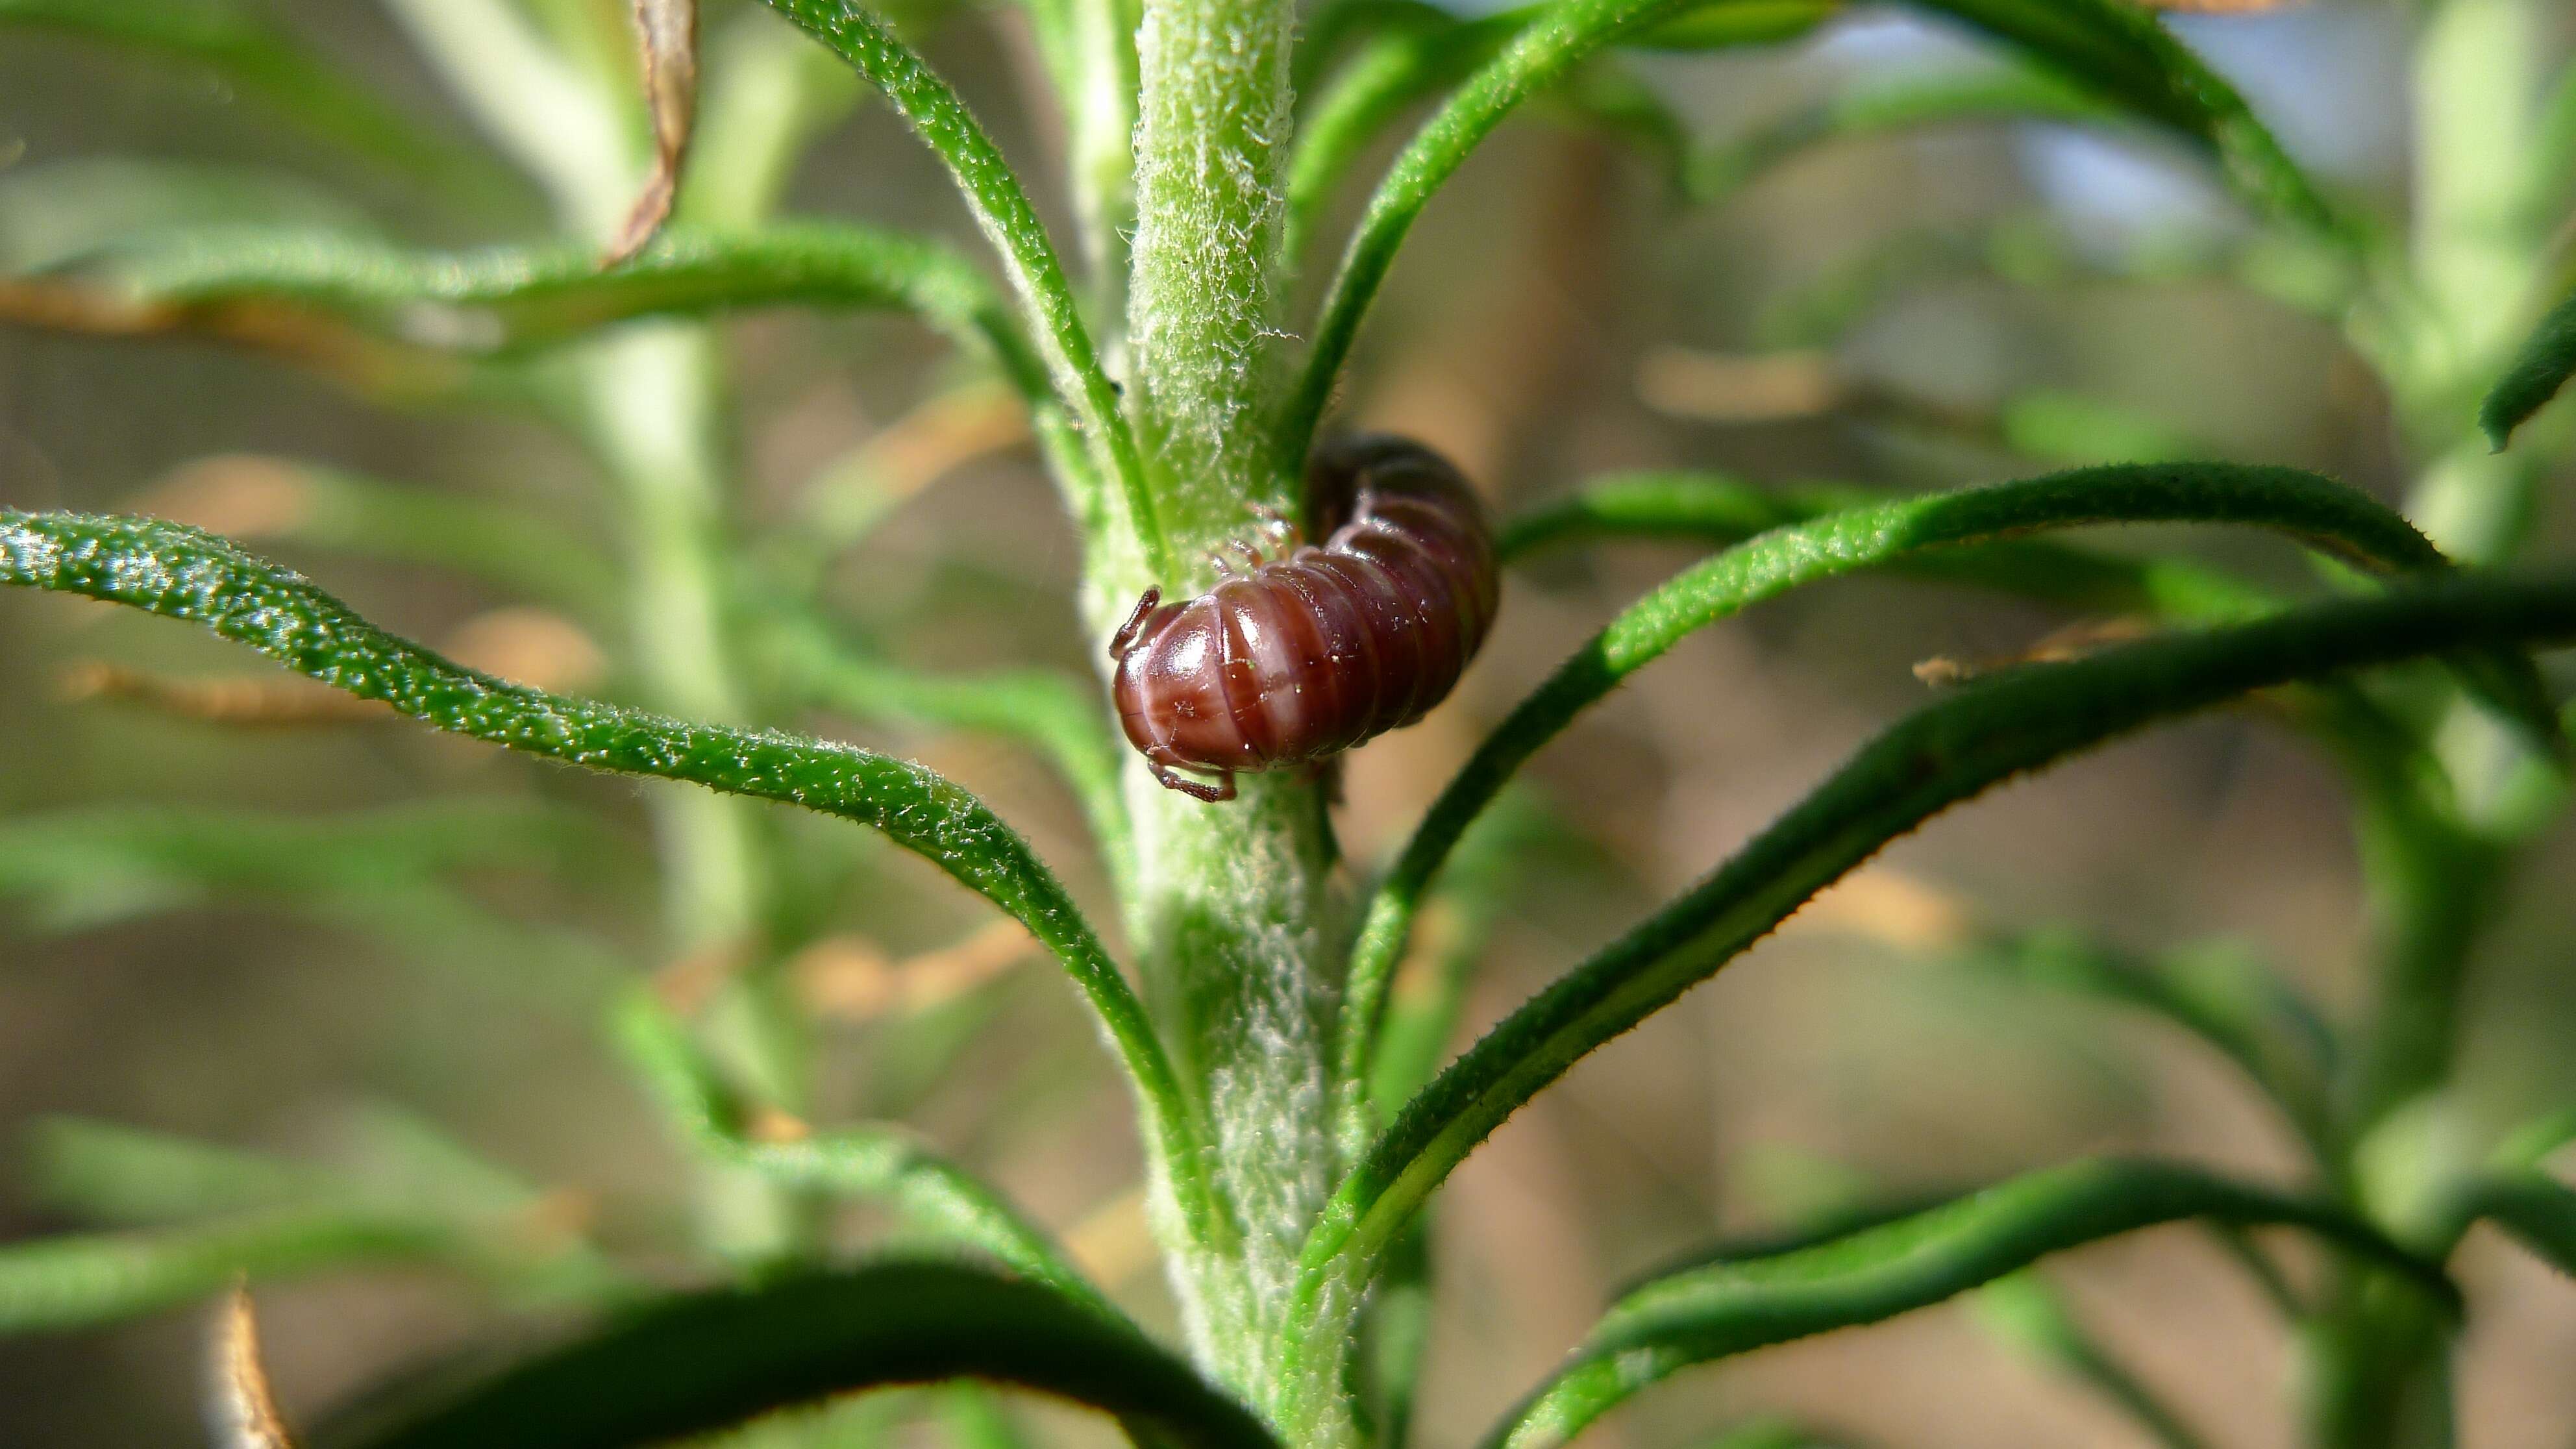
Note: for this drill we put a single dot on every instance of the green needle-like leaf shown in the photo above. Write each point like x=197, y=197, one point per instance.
x=51, y=1284
x=2108, y=47
x=109, y=1173
x=2123, y=53
x=2323, y=513
x=1984, y=733
x=2543, y=366
x=85, y=867
x=1902, y=104
x=525, y=296
x=1001, y=207
x=882, y=1163
x=1064, y=719
x=181, y=573
x=704, y=1361
x=247, y=51
x=1738, y=1304
x=1537, y=58
x=2538, y=1212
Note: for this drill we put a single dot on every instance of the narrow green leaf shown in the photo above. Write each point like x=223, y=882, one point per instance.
x=2122, y=52
x=1065, y=720
x=2028, y=1313
x=1538, y=56
x=1735, y=1305
x=2547, y=360
x=2539, y=1212
x=245, y=50
x=1985, y=732
x=323, y=507
x=880, y=1163
x=85, y=867
x=2324, y=514
x=1877, y=107
x=52, y=1284
x=527, y=296
x=2228, y=999
x=109, y=1173
x=181, y=573
x=1002, y=209
x=703, y=1361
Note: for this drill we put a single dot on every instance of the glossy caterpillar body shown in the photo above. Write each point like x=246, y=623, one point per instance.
x=1307, y=655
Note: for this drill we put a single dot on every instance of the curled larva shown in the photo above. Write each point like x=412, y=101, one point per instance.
x=1307, y=655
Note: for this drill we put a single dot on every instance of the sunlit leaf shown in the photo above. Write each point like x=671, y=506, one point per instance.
x=1971, y=739
x=1737, y=1304
x=703, y=1361
x=181, y=573
x=2313, y=509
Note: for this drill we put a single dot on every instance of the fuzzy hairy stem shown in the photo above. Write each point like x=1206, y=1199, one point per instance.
x=1230, y=901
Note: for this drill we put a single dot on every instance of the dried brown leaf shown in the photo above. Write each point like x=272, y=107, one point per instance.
x=244, y=1410
x=667, y=33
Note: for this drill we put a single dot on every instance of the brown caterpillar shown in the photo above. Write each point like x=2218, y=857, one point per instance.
x=1307, y=655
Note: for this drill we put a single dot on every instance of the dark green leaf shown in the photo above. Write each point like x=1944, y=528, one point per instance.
x=1986, y=732
x=1738, y=1304
x=2325, y=514
x=181, y=573
x=2545, y=363
x=703, y=1361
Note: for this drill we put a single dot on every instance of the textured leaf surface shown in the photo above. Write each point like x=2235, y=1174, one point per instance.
x=1738, y=1304
x=1978, y=736
x=181, y=573
x=705, y=1361
x=2334, y=518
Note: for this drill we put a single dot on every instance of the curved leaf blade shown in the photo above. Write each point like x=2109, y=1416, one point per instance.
x=1537, y=58
x=707, y=1360
x=83, y=1280
x=880, y=1163
x=2539, y=371
x=247, y=51
x=1985, y=733
x=181, y=573
x=1738, y=1304
x=1001, y=208
x=2123, y=53
x=2324, y=514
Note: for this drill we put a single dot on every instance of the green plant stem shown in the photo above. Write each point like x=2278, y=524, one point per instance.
x=1229, y=899
x=648, y=409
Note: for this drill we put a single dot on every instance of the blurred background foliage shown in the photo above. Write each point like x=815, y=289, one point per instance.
x=371, y=963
